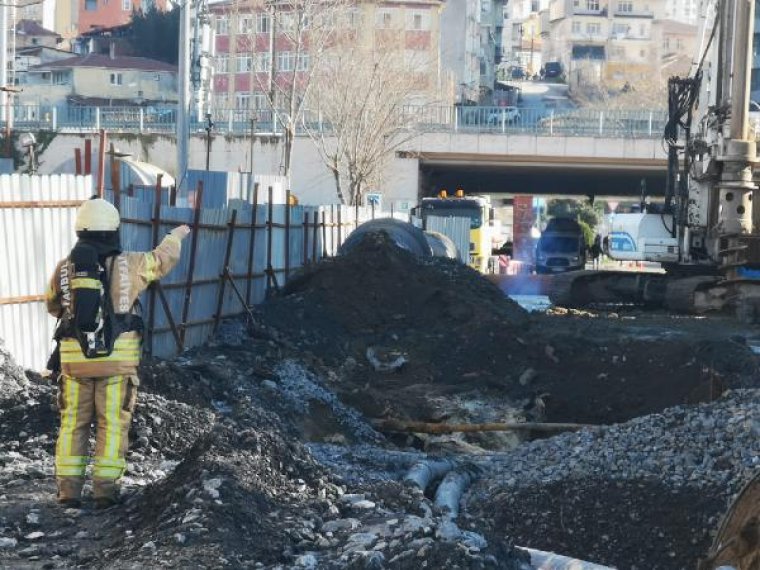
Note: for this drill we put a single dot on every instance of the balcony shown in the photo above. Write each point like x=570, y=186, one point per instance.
x=580, y=11
x=627, y=36
x=635, y=13
x=586, y=38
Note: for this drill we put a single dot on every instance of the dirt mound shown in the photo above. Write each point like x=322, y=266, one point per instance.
x=433, y=341
x=624, y=524
x=378, y=304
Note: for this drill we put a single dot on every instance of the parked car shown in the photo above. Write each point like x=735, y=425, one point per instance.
x=754, y=117
x=503, y=115
x=518, y=73
x=552, y=69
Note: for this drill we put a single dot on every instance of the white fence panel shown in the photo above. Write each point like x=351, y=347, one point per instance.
x=37, y=230
x=37, y=216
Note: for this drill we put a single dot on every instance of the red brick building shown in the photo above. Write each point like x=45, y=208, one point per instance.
x=246, y=42
x=95, y=14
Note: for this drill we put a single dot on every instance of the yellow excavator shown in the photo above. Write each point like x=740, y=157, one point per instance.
x=737, y=544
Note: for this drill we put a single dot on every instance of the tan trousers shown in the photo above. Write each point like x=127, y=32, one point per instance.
x=110, y=402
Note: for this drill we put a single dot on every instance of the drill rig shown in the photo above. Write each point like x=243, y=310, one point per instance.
x=707, y=233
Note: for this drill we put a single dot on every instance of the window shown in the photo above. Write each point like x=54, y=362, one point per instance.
x=593, y=28
x=90, y=5
x=534, y=6
x=60, y=78
x=286, y=61
x=625, y=6
x=418, y=21
x=263, y=61
x=384, y=19
x=666, y=43
x=642, y=30
x=260, y=101
x=222, y=64
x=221, y=100
x=576, y=3
x=679, y=44
x=242, y=100
x=354, y=18
x=592, y=5
x=245, y=24
x=304, y=60
x=287, y=22
x=243, y=63
x=222, y=25
x=643, y=53
x=126, y=5
x=116, y=79
x=576, y=27
x=617, y=53
x=263, y=23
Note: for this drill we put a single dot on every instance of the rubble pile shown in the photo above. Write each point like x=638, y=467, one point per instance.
x=13, y=381
x=258, y=450
x=218, y=477
x=433, y=340
x=644, y=494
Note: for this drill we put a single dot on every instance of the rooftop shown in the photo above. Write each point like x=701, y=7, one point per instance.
x=32, y=28
x=105, y=61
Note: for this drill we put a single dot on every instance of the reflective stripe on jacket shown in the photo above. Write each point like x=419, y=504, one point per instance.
x=131, y=275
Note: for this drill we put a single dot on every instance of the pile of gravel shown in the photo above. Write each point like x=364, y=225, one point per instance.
x=13, y=381
x=671, y=475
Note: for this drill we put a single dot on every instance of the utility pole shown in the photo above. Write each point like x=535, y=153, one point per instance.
x=209, y=127
x=185, y=103
x=4, y=97
x=532, y=37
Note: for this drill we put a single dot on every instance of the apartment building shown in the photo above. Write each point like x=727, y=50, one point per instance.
x=678, y=47
x=247, y=42
x=524, y=34
x=96, y=79
x=472, y=47
x=608, y=41
x=684, y=11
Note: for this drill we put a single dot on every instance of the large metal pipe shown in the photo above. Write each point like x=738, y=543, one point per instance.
x=741, y=68
x=725, y=50
x=184, y=105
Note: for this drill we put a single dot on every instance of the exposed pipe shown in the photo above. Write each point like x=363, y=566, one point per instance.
x=422, y=473
x=541, y=560
x=450, y=491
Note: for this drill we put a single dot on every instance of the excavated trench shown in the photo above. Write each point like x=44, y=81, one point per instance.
x=264, y=447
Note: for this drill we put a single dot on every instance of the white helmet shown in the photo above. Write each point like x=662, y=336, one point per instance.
x=97, y=215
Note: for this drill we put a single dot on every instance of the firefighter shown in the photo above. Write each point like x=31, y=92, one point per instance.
x=97, y=368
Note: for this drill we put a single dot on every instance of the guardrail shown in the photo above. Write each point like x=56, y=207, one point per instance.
x=422, y=118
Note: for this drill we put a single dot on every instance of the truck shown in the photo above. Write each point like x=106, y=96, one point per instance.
x=561, y=247
x=480, y=213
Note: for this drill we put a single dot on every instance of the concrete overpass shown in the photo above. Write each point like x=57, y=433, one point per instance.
x=537, y=158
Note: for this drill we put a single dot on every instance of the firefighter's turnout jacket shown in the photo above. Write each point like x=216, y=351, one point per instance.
x=131, y=275
x=103, y=389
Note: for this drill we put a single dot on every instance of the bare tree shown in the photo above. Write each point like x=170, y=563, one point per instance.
x=361, y=94
x=284, y=41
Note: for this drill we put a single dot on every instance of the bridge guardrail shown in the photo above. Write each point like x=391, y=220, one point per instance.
x=423, y=118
